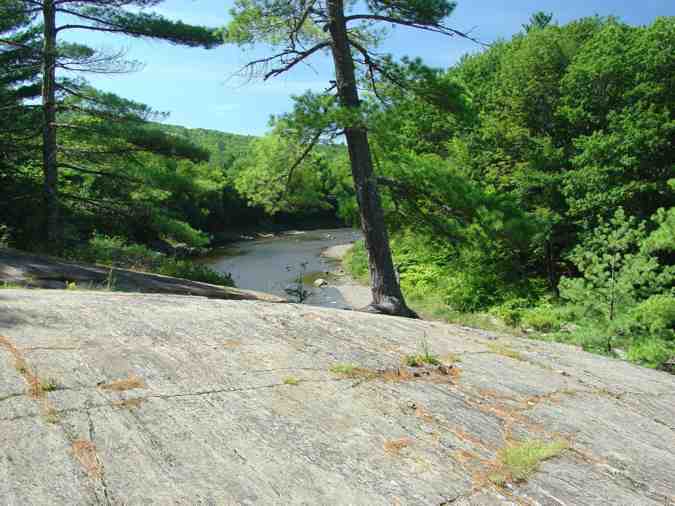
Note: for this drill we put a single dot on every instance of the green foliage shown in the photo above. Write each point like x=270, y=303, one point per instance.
x=624, y=298
x=356, y=262
x=194, y=271
x=651, y=353
x=511, y=311
x=655, y=317
x=617, y=272
x=264, y=177
x=179, y=231
x=662, y=238
x=421, y=359
x=415, y=11
x=515, y=181
x=152, y=25
x=545, y=317
x=115, y=251
x=538, y=21
x=470, y=276
x=651, y=327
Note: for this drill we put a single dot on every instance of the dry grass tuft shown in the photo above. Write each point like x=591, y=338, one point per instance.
x=130, y=404
x=396, y=445
x=50, y=414
x=440, y=373
x=394, y=375
x=451, y=358
x=231, y=343
x=423, y=414
x=21, y=365
x=85, y=453
x=36, y=387
x=122, y=385
x=504, y=350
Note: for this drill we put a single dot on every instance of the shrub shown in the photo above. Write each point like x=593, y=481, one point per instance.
x=545, y=317
x=656, y=317
x=356, y=261
x=651, y=327
x=652, y=353
x=115, y=251
x=194, y=271
x=466, y=291
x=618, y=272
x=511, y=311
x=179, y=231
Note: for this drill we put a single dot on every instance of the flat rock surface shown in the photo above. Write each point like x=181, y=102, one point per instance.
x=38, y=271
x=125, y=399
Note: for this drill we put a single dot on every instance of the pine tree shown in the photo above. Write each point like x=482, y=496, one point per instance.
x=19, y=80
x=54, y=56
x=300, y=29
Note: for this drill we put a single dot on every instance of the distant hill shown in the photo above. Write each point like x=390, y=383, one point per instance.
x=224, y=147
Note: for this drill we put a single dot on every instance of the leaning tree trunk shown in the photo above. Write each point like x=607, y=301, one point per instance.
x=49, y=166
x=387, y=296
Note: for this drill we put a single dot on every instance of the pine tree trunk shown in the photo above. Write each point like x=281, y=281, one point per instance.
x=50, y=169
x=387, y=296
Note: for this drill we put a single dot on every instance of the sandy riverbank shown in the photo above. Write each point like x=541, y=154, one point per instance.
x=354, y=293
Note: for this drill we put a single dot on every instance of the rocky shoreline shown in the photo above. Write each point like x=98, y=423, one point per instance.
x=21, y=269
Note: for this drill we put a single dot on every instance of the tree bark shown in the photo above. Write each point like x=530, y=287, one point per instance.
x=387, y=295
x=52, y=220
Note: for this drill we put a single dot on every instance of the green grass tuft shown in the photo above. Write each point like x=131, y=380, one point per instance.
x=345, y=369
x=519, y=461
x=420, y=359
x=49, y=385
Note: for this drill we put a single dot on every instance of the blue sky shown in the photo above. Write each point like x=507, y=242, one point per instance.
x=197, y=88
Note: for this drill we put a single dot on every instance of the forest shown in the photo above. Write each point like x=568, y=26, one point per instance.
x=528, y=186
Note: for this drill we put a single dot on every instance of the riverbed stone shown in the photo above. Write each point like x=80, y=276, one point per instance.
x=164, y=399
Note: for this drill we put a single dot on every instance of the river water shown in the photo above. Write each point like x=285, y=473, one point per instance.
x=271, y=265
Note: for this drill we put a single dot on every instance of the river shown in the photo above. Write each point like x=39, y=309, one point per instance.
x=275, y=264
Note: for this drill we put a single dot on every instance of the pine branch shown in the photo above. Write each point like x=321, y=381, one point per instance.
x=436, y=27
x=100, y=173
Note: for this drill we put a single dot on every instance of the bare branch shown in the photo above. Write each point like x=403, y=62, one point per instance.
x=288, y=59
x=302, y=157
